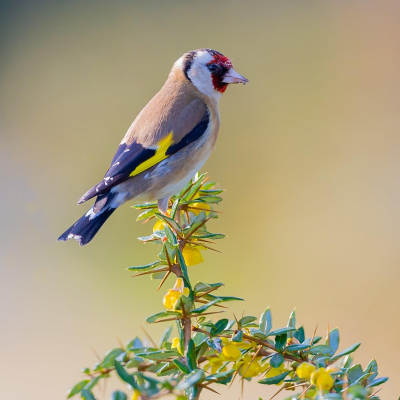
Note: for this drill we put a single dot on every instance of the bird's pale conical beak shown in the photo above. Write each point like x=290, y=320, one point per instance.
x=233, y=77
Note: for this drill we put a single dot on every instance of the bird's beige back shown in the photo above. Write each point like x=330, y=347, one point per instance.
x=176, y=108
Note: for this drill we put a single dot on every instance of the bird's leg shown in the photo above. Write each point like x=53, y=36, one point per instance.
x=163, y=205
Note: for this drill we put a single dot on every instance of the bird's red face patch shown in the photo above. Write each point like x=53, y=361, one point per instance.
x=220, y=66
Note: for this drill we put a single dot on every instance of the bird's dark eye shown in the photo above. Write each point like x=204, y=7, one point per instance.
x=212, y=67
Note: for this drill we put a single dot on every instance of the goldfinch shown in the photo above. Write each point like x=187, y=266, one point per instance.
x=167, y=143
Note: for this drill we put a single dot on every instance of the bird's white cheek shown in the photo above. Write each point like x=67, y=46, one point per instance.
x=202, y=80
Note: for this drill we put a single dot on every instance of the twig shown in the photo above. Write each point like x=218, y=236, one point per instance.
x=149, y=337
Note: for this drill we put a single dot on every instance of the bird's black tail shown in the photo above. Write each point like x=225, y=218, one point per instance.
x=84, y=230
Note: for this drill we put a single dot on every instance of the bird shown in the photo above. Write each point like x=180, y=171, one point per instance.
x=167, y=143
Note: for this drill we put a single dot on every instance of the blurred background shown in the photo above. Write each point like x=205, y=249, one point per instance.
x=308, y=153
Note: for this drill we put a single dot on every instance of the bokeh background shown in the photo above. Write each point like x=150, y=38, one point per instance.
x=308, y=153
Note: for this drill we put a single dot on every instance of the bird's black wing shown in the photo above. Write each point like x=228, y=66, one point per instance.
x=131, y=160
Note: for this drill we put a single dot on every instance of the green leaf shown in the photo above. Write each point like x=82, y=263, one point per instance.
x=167, y=370
x=209, y=199
x=201, y=287
x=170, y=236
x=224, y=298
x=247, y=320
x=148, y=266
x=378, y=381
x=165, y=336
x=219, y=326
x=181, y=334
x=146, y=214
x=182, y=263
x=334, y=339
x=372, y=367
x=257, y=333
x=158, y=354
x=221, y=377
x=265, y=323
x=175, y=208
x=110, y=356
x=292, y=323
x=157, y=275
x=196, y=376
x=145, y=205
x=195, y=188
x=349, y=350
x=281, y=331
x=198, y=221
x=322, y=348
x=118, y=395
x=87, y=395
x=162, y=314
x=124, y=375
x=276, y=360
x=208, y=185
x=183, y=367
x=207, y=192
x=237, y=337
x=135, y=343
x=297, y=347
x=299, y=335
x=205, y=307
x=214, y=236
x=134, y=362
x=77, y=388
x=167, y=248
x=358, y=392
x=92, y=383
x=275, y=379
x=354, y=373
x=280, y=341
x=169, y=221
x=191, y=355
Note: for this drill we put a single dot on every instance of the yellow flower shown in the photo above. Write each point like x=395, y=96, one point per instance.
x=215, y=363
x=274, y=371
x=197, y=208
x=176, y=344
x=231, y=352
x=226, y=341
x=324, y=381
x=158, y=226
x=304, y=370
x=248, y=368
x=192, y=256
x=316, y=374
x=332, y=369
x=135, y=395
x=172, y=296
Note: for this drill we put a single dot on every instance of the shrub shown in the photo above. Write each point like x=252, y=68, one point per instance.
x=206, y=353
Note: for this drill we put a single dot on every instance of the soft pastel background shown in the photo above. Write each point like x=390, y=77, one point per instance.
x=308, y=152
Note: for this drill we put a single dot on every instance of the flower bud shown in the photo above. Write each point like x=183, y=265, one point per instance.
x=304, y=370
x=158, y=226
x=324, y=381
x=231, y=352
x=197, y=208
x=192, y=256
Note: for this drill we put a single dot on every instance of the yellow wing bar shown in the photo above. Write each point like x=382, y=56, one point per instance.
x=160, y=155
